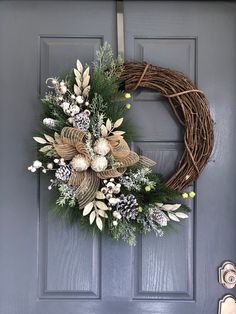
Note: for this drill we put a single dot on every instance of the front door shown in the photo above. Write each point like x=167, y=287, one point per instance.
x=47, y=267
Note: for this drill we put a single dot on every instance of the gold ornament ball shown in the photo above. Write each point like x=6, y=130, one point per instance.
x=147, y=188
x=127, y=95
x=185, y=195
x=192, y=194
x=140, y=209
x=79, y=163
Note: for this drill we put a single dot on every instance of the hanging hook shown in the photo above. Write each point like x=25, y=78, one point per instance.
x=120, y=28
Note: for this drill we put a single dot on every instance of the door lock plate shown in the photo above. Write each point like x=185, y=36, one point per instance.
x=227, y=305
x=227, y=275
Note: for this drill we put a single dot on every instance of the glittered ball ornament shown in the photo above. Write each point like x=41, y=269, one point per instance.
x=80, y=163
x=102, y=147
x=99, y=164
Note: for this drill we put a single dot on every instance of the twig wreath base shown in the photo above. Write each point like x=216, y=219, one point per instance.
x=191, y=110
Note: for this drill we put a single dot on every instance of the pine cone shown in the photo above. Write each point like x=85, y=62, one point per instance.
x=81, y=121
x=127, y=206
x=63, y=173
x=158, y=217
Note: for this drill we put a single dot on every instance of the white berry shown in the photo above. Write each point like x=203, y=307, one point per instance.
x=79, y=99
x=37, y=164
x=115, y=223
x=50, y=166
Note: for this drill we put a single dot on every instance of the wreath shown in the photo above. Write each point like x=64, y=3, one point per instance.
x=84, y=144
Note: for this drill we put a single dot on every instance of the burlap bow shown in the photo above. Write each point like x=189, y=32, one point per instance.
x=71, y=143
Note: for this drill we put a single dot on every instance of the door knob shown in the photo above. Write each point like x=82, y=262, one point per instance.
x=227, y=275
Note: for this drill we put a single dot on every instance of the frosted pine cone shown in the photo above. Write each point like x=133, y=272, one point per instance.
x=63, y=173
x=158, y=217
x=81, y=121
x=127, y=206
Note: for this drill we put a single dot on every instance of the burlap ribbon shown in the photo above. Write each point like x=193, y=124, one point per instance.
x=71, y=143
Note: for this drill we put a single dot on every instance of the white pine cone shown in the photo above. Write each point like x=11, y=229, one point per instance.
x=81, y=121
x=99, y=164
x=79, y=163
x=102, y=147
x=63, y=173
x=159, y=217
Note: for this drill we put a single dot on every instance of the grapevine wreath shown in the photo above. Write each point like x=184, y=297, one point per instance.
x=100, y=181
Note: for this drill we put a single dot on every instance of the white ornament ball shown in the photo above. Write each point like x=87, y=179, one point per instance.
x=56, y=160
x=102, y=147
x=79, y=163
x=79, y=99
x=99, y=164
x=37, y=164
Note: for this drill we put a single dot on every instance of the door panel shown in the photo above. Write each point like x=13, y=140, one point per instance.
x=46, y=267
x=199, y=40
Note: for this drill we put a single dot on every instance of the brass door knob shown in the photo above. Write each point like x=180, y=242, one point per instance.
x=227, y=275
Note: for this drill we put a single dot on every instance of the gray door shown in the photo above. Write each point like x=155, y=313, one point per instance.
x=47, y=267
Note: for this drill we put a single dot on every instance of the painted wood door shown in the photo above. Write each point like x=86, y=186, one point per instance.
x=47, y=267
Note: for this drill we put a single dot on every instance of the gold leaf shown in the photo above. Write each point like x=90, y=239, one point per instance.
x=99, y=223
x=86, y=81
x=118, y=122
x=79, y=66
x=40, y=140
x=104, y=131
x=100, y=195
x=101, y=205
x=78, y=81
x=86, y=73
x=171, y=207
x=181, y=215
x=45, y=148
x=49, y=138
x=77, y=73
x=92, y=217
x=86, y=91
x=101, y=213
x=77, y=90
x=118, y=132
x=88, y=208
x=173, y=217
x=108, y=125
